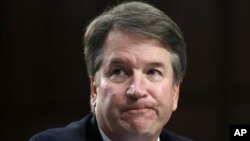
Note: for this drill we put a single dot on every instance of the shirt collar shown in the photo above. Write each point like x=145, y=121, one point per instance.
x=106, y=138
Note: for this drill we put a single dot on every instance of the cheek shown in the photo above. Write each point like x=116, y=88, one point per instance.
x=163, y=94
x=109, y=95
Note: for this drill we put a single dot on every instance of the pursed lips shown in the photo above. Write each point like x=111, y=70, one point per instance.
x=138, y=109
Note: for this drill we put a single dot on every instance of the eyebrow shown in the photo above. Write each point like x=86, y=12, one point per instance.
x=157, y=64
x=118, y=61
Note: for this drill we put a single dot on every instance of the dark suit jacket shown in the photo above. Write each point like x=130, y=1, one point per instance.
x=87, y=130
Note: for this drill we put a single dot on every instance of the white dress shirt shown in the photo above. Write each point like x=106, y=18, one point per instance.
x=106, y=138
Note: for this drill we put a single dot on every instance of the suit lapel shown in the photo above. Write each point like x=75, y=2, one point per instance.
x=93, y=133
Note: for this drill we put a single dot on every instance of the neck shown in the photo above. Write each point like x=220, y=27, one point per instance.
x=136, y=139
x=119, y=135
x=132, y=137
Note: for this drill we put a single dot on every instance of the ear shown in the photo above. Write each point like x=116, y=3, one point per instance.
x=93, y=93
x=176, y=90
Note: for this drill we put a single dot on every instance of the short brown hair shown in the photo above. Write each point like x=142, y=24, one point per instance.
x=136, y=18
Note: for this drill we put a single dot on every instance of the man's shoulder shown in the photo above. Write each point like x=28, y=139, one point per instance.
x=74, y=131
x=167, y=135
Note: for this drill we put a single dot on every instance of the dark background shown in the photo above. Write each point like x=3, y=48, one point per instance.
x=44, y=82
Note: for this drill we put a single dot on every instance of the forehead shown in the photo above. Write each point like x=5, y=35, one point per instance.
x=119, y=37
x=127, y=46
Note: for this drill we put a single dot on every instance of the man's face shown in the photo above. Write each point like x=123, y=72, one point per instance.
x=133, y=91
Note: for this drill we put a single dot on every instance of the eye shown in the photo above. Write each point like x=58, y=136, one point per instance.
x=118, y=75
x=154, y=72
x=155, y=75
x=117, y=72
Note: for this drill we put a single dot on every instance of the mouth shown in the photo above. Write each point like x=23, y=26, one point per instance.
x=136, y=111
x=139, y=109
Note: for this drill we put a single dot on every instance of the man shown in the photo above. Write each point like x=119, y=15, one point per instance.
x=136, y=60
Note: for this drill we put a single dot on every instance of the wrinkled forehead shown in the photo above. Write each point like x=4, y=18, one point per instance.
x=127, y=38
x=122, y=47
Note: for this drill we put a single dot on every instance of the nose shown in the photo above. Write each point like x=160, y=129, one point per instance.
x=137, y=87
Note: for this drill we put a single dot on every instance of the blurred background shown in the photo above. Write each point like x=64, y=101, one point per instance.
x=44, y=84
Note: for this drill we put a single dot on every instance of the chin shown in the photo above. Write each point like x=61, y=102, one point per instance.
x=139, y=126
